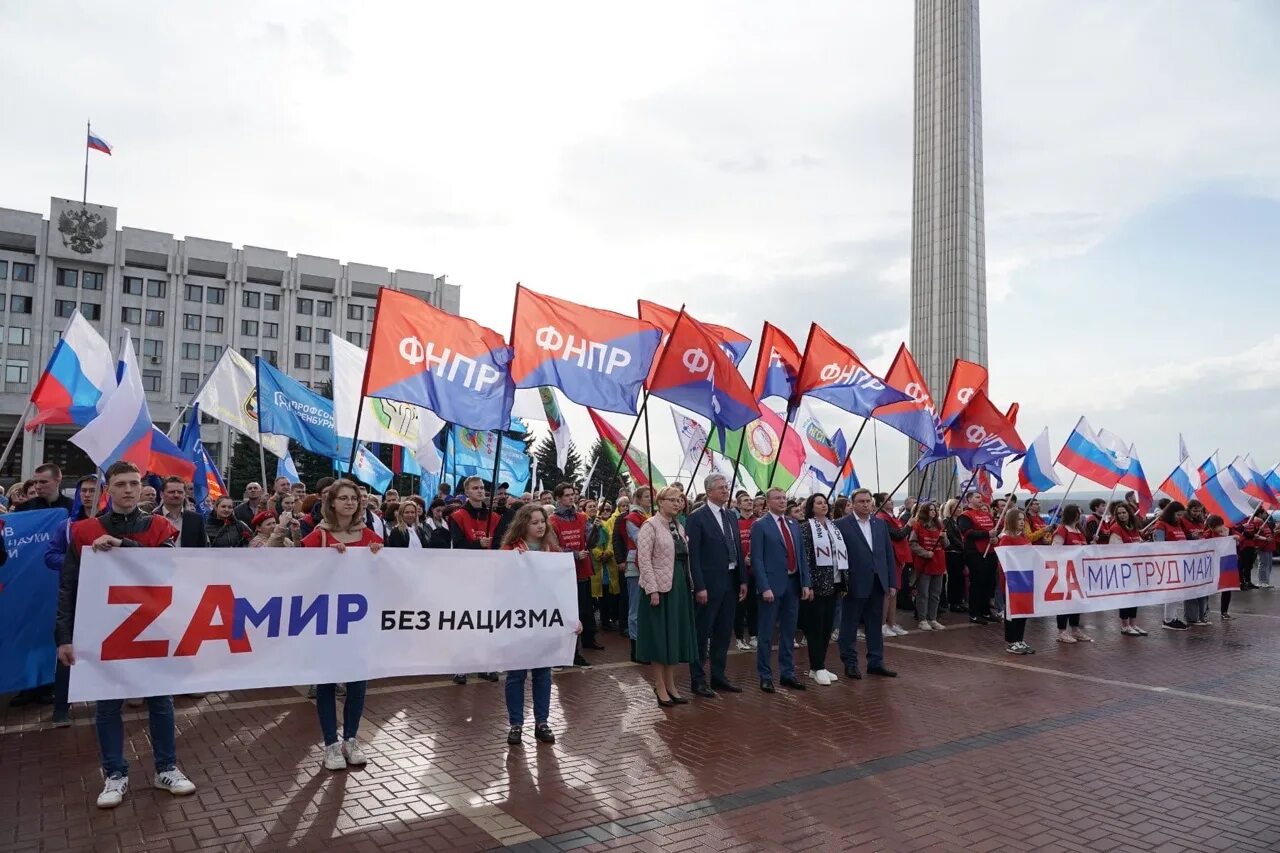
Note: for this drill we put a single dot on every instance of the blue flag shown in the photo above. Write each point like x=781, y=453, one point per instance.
x=475, y=453
x=409, y=463
x=207, y=484
x=289, y=408
x=368, y=470
x=28, y=599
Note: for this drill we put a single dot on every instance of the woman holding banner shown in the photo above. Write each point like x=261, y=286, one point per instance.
x=1216, y=528
x=529, y=531
x=1123, y=529
x=1068, y=532
x=1172, y=526
x=666, y=636
x=341, y=527
x=1015, y=630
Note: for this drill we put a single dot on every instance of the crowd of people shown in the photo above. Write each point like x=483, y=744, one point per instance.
x=682, y=579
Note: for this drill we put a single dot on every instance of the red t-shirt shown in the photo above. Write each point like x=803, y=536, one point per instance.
x=1117, y=535
x=901, y=547
x=744, y=535
x=1173, y=532
x=321, y=538
x=930, y=539
x=571, y=533
x=1070, y=536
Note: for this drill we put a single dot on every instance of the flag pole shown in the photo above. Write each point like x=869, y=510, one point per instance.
x=13, y=437
x=364, y=383
x=793, y=404
x=444, y=454
x=888, y=496
x=875, y=440
x=644, y=404
x=698, y=464
x=924, y=481
x=737, y=459
x=649, y=460
x=88, y=131
x=848, y=453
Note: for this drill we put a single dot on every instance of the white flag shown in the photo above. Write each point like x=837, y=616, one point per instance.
x=385, y=421
x=1183, y=455
x=231, y=396
x=820, y=455
x=541, y=404
x=693, y=440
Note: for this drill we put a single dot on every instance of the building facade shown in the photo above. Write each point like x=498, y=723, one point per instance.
x=183, y=301
x=948, y=251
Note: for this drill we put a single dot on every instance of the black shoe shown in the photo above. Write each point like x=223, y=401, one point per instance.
x=679, y=700
x=959, y=608
x=791, y=683
x=634, y=659
x=881, y=671
x=979, y=620
x=543, y=732
x=513, y=735
x=594, y=646
x=488, y=676
x=26, y=697
x=852, y=672
x=459, y=679
x=580, y=661
x=662, y=703
x=726, y=687
x=766, y=685
x=704, y=691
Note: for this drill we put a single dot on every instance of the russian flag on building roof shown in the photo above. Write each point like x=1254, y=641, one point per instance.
x=97, y=143
x=1036, y=473
x=1182, y=483
x=1085, y=454
x=1221, y=496
x=122, y=430
x=79, y=374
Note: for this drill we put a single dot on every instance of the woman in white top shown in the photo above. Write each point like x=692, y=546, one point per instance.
x=829, y=567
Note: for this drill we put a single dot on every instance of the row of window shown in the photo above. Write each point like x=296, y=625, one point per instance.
x=21, y=272
x=18, y=304
x=155, y=288
x=193, y=322
x=88, y=280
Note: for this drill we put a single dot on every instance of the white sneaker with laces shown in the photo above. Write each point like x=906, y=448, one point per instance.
x=834, y=678
x=924, y=625
x=113, y=792
x=899, y=631
x=353, y=753
x=820, y=677
x=333, y=758
x=936, y=625
x=744, y=646
x=175, y=782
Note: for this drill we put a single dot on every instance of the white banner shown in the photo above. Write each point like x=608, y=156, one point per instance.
x=231, y=395
x=168, y=621
x=1043, y=580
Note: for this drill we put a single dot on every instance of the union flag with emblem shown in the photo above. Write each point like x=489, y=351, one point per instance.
x=695, y=372
x=450, y=365
x=833, y=372
x=597, y=358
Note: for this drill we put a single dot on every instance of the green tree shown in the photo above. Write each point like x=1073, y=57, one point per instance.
x=246, y=467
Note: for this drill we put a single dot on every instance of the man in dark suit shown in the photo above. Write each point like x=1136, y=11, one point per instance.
x=781, y=573
x=871, y=578
x=173, y=506
x=715, y=561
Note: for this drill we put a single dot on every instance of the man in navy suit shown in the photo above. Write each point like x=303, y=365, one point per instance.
x=719, y=583
x=782, y=579
x=871, y=578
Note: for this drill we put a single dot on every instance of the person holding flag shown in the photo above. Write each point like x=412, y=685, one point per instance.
x=1014, y=533
x=1068, y=532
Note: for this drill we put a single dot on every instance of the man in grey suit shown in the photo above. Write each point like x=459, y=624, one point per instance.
x=871, y=578
x=781, y=572
x=719, y=583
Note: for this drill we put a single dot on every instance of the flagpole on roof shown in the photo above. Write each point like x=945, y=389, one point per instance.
x=88, y=131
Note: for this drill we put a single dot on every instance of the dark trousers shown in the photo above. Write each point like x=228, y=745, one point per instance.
x=955, y=579
x=982, y=581
x=586, y=612
x=1015, y=630
x=817, y=619
x=1224, y=605
x=784, y=609
x=746, y=616
x=714, y=622
x=1072, y=619
x=608, y=610
x=1128, y=612
x=867, y=614
x=61, y=683
x=1248, y=556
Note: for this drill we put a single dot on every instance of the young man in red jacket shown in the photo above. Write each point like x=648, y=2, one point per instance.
x=571, y=532
x=473, y=526
x=124, y=525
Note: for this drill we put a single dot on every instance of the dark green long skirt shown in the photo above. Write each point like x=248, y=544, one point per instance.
x=666, y=632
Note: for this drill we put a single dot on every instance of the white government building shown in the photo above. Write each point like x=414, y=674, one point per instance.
x=183, y=301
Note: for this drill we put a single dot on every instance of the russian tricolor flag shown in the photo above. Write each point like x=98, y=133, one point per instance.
x=122, y=430
x=1085, y=454
x=97, y=143
x=80, y=372
x=1036, y=473
x=1221, y=496
x=1181, y=485
x=1136, y=479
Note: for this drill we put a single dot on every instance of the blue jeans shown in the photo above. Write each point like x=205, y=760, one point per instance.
x=352, y=710
x=541, y=695
x=111, y=734
x=633, y=607
x=1265, y=559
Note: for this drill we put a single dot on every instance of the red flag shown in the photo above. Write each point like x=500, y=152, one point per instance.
x=777, y=365
x=734, y=343
x=981, y=436
x=967, y=379
x=833, y=372
x=1012, y=415
x=916, y=417
x=695, y=372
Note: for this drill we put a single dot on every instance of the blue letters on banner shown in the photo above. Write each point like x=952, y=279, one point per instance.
x=287, y=407
x=28, y=599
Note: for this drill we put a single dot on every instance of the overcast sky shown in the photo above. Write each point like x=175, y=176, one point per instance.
x=750, y=159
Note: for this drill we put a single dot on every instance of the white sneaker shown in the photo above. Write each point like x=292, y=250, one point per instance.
x=862, y=635
x=744, y=646
x=924, y=625
x=333, y=758
x=113, y=792
x=754, y=642
x=936, y=625
x=898, y=631
x=834, y=678
x=820, y=677
x=353, y=753
x=175, y=782
x=835, y=635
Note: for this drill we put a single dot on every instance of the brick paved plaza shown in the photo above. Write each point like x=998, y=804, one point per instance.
x=1159, y=743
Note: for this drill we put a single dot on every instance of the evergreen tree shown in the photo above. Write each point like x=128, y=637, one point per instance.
x=604, y=479
x=246, y=467
x=548, y=472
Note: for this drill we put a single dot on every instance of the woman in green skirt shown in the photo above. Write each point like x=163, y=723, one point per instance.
x=666, y=627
